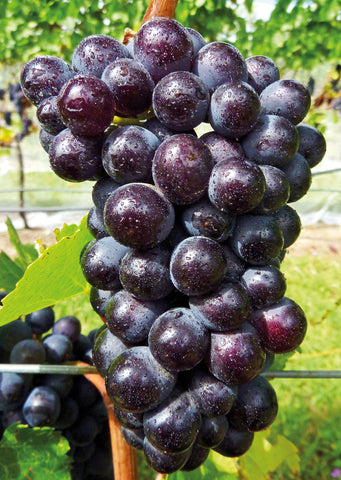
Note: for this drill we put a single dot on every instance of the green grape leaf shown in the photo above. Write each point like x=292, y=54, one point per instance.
x=33, y=454
x=280, y=361
x=65, y=231
x=55, y=276
x=215, y=466
x=10, y=273
x=26, y=252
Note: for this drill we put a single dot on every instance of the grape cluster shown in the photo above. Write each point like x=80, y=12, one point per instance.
x=67, y=403
x=189, y=233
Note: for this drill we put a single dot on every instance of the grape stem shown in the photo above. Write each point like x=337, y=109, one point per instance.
x=160, y=8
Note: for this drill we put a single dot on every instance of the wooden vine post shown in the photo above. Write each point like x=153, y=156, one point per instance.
x=124, y=457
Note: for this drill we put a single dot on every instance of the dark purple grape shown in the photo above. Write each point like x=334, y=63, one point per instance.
x=273, y=141
x=84, y=392
x=75, y=158
x=197, y=457
x=138, y=215
x=106, y=348
x=163, y=462
x=235, y=443
x=137, y=382
x=128, y=419
x=226, y=308
x=99, y=300
x=10, y=334
x=178, y=339
x=197, y=265
x=102, y=190
x=257, y=239
x=45, y=140
x=99, y=465
x=94, y=53
x=181, y=101
x=287, y=98
x=145, y=273
x=95, y=223
x=161, y=131
x=255, y=407
x=27, y=352
x=203, y=218
x=212, y=397
x=234, y=109
x=42, y=407
x=58, y=348
x=44, y=76
x=163, y=45
x=181, y=168
x=86, y=105
x=281, y=327
x=173, y=426
x=62, y=384
x=217, y=63
x=212, y=431
x=197, y=40
x=299, y=176
x=236, y=186
x=69, y=326
x=13, y=390
x=128, y=152
x=69, y=411
x=290, y=223
x=49, y=117
x=12, y=416
x=236, y=357
x=265, y=285
x=277, y=190
x=133, y=437
x=130, y=319
x=131, y=85
x=82, y=454
x=222, y=148
x=40, y=321
x=312, y=144
x=262, y=71
x=83, y=431
x=235, y=267
x=100, y=262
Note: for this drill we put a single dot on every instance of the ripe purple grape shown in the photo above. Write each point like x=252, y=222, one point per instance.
x=312, y=144
x=262, y=71
x=222, y=148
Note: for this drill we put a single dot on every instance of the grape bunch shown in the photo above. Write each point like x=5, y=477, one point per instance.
x=189, y=232
x=67, y=403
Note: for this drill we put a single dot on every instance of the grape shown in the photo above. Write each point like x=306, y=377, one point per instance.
x=163, y=462
x=69, y=411
x=178, y=340
x=236, y=186
x=277, y=190
x=202, y=218
x=10, y=334
x=95, y=223
x=235, y=443
x=12, y=416
x=257, y=239
x=137, y=382
x=161, y=131
x=197, y=457
x=43, y=77
x=265, y=285
x=133, y=437
x=94, y=53
x=173, y=426
x=42, y=407
x=46, y=140
x=217, y=63
x=138, y=215
x=84, y=392
x=131, y=85
x=27, y=352
x=145, y=274
x=99, y=300
x=83, y=431
x=262, y=71
x=181, y=168
x=235, y=267
x=82, y=454
x=100, y=262
x=69, y=326
x=49, y=117
x=58, y=348
x=40, y=321
x=129, y=318
x=226, y=308
x=287, y=98
x=180, y=101
x=281, y=327
x=102, y=190
x=197, y=40
x=212, y=431
x=312, y=144
x=255, y=407
x=62, y=384
x=100, y=464
x=222, y=148
x=106, y=348
x=299, y=175
x=273, y=141
x=86, y=105
x=197, y=265
x=236, y=357
x=128, y=419
x=163, y=45
x=234, y=109
x=290, y=223
x=13, y=390
x=76, y=158
x=127, y=154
